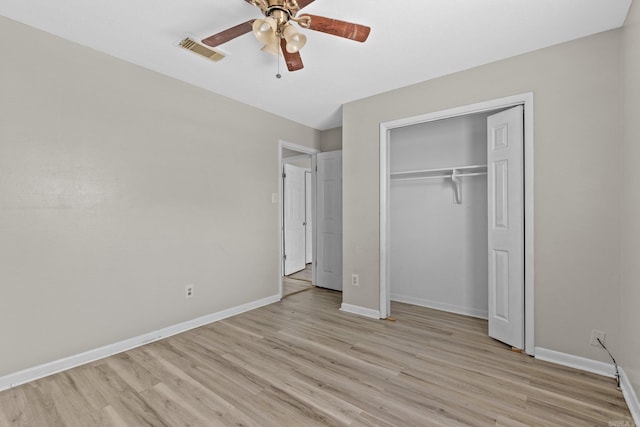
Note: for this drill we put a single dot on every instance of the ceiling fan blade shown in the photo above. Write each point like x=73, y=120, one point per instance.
x=229, y=34
x=338, y=28
x=304, y=3
x=293, y=60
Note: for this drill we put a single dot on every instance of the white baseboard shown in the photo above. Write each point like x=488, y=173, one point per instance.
x=467, y=311
x=630, y=396
x=362, y=311
x=41, y=371
x=577, y=362
x=596, y=367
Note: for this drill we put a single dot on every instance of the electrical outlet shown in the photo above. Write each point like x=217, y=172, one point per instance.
x=595, y=334
x=188, y=291
x=355, y=279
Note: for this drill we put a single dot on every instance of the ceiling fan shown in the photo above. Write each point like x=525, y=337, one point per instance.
x=278, y=34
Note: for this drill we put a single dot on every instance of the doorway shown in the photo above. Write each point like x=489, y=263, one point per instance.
x=296, y=218
x=524, y=100
x=297, y=225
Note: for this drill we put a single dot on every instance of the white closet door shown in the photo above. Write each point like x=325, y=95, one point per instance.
x=329, y=220
x=294, y=217
x=506, y=226
x=308, y=218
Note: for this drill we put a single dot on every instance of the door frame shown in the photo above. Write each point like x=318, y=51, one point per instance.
x=304, y=151
x=525, y=99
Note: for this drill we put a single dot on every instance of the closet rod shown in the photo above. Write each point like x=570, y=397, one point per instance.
x=448, y=176
x=460, y=168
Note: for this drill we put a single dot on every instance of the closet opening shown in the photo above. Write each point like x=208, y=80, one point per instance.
x=456, y=187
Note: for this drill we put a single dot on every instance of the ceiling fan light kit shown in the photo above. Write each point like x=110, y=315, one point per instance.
x=295, y=40
x=277, y=33
x=272, y=48
x=265, y=32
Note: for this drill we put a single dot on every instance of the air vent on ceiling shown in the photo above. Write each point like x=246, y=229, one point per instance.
x=195, y=47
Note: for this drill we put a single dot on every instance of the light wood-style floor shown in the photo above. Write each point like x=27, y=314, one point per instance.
x=301, y=362
x=293, y=286
x=305, y=274
x=297, y=282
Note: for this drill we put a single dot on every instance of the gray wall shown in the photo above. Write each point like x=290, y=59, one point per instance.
x=118, y=187
x=301, y=163
x=577, y=181
x=331, y=139
x=631, y=197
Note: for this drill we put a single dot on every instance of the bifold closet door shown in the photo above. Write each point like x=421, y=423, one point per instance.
x=505, y=133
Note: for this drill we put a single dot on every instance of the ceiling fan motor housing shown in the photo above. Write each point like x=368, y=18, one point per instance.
x=280, y=15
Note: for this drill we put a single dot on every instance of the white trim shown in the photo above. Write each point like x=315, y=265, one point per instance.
x=437, y=305
x=314, y=215
x=595, y=367
x=362, y=311
x=385, y=221
x=529, y=234
x=529, y=264
x=630, y=396
x=576, y=362
x=306, y=151
x=50, y=368
x=297, y=147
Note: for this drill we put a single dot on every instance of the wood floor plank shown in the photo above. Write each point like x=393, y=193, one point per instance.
x=203, y=398
x=73, y=407
x=292, y=286
x=135, y=375
x=302, y=362
x=114, y=418
x=174, y=409
x=304, y=275
x=125, y=401
x=29, y=406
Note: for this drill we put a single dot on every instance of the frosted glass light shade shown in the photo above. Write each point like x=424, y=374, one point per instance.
x=265, y=30
x=272, y=48
x=295, y=40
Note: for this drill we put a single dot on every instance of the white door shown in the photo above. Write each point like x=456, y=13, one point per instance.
x=308, y=218
x=329, y=220
x=294, y=217
x=505, y=187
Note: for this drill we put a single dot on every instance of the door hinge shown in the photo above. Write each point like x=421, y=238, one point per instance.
x=284, y=175
x=284, y=257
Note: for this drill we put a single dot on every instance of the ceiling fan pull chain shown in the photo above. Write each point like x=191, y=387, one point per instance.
x=278, y=75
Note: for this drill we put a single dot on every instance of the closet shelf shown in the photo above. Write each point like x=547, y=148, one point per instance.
x=472, y=170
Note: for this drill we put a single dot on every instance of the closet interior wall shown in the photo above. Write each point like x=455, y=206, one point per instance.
x=438, y=247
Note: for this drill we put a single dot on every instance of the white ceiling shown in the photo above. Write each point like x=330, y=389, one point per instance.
x=411, y=41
